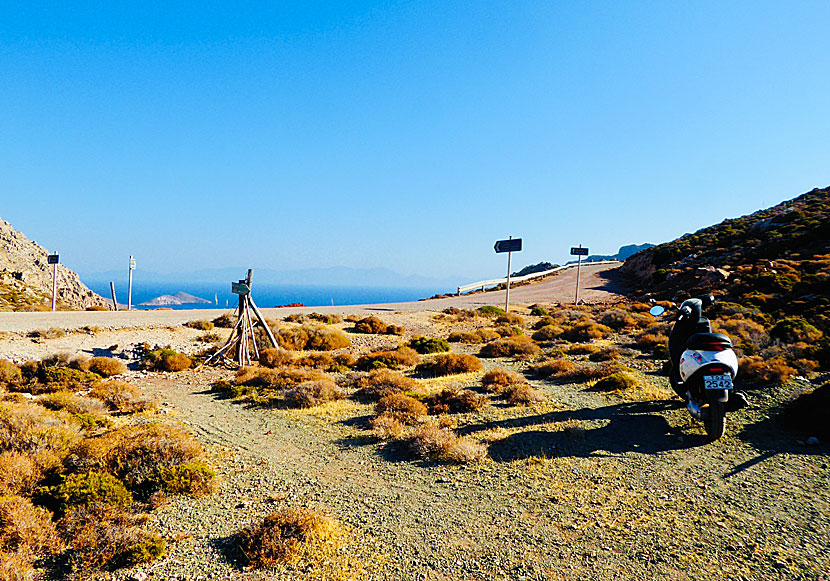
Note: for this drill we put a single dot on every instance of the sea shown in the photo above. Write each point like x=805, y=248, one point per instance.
x=264, y=295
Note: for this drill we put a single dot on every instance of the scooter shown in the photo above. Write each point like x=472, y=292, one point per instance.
x=703, y=366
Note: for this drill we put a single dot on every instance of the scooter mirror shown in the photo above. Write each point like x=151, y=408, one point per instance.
x=656, y=311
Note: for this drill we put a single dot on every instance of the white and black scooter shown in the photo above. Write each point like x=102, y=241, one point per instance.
x=703, y=366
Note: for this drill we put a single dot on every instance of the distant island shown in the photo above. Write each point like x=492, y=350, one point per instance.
x=180, y=298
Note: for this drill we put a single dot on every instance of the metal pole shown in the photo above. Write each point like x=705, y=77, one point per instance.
x=507, y=294
x=130, y=286
x=578, y=266
x=54, y=285
x=114, y=302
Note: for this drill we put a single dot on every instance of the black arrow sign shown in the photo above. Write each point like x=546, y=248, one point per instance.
x=512, y=245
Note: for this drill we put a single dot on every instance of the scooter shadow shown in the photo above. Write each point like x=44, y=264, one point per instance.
x=620, y=428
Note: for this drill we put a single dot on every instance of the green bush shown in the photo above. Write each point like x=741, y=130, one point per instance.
x=619, y=381
x=194, y=478
x=424, y=345
x=400, y=357
x=90, y=488
x=537, y=311
x=795, y=329
x=490, y=311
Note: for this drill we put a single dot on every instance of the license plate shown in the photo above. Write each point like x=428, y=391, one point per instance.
x=717, y=382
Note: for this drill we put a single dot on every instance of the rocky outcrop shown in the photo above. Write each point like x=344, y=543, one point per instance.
x=26, y=277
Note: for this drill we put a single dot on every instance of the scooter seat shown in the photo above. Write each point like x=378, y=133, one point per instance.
x=709, y=342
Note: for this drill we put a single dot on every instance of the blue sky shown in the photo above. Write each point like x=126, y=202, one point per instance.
x=407, y=135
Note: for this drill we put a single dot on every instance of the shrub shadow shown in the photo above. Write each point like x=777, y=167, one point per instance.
x=625, y=427
x=228, y=550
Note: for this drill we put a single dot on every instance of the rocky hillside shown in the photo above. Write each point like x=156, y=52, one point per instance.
x=26, y=278
x=775, y=260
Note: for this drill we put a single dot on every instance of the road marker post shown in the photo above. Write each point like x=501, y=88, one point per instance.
x=509, y=246
x=130, y=285
x=580, y=252
x=114, y=301
x=54, y=259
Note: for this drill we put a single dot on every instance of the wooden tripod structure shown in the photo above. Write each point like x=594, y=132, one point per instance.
x=242, y=341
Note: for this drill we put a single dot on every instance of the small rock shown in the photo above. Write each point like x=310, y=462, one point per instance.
x=138, y=576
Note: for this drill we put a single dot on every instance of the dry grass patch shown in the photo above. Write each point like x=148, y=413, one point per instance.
x=449, y=364
x=521, y=347
x=44, y=435
x=275, y=357
x=10, y=374
x=586, y=331
x=757, y=370
x=19, y=474
x=26, y=529
x=200, y=325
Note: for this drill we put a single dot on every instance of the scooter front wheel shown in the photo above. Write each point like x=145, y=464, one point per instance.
x=715, y=420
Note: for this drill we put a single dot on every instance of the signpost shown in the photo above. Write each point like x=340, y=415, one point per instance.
x=54, y=260
x=130, y=286
x=509, y=246
x=580, y=252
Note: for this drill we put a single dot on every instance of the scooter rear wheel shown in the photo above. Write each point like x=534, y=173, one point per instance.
x=715, y=420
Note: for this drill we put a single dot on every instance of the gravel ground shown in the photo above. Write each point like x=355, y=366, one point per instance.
x=584, y=486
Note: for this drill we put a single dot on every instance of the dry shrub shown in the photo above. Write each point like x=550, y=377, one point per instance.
x=275, y=357
x=553, y=368
x=648, y=341
x=400, y=357
x=742, y=330
x=387, y=426
x=474, y=337
x=26, y=528
x=586, y=331
x=315, y=361
x=123, y=397
x=80, y=362
x=313, y=393
x=607, y=354
x=74, y=404
x=618, y=319
x=33, y=430
x=18, y=473
x=508, y=331
x=809, y=413
x=521, y=347
x=511, y=319
x=10, y=373
x=135, y=455
x=312, y=338
x=61, y=377
x=293, y=536
x=166, y=360
x=617, y=382
x=101, y=537
x=436, y=443
x=523, y=394
x=548, y=333
x=200, y=325
x=272, y=386
x=17, y=566
x=373, y=325
x=208, y=338
x=758, y=370
x=327, y=318
x=795, y=329
x=405, y=408
x=343, y=362
x=106, y=366
x=382, y=382
x=496, y=380
x=581, y=349
x=227, y=321
x=449, y=364
x=451, y=401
